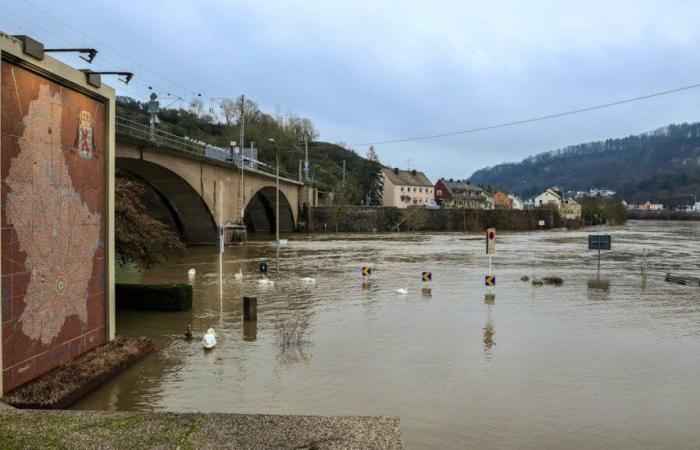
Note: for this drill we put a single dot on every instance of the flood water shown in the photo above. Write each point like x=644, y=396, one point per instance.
x=609, y=362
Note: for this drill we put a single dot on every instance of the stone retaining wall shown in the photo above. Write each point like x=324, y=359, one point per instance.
x=368, y=219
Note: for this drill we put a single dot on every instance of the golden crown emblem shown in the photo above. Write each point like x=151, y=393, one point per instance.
x=85, y=119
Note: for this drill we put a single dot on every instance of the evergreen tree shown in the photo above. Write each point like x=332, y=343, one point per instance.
x=372, y=154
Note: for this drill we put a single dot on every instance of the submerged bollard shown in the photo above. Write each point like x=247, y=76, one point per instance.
x=250, y=308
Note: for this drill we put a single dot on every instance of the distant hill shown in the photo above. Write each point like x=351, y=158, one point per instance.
x=661, y=165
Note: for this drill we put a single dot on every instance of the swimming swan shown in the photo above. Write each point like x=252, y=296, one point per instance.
x=209, y=339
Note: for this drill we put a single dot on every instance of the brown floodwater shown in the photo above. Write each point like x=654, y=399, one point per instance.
x=599, y=362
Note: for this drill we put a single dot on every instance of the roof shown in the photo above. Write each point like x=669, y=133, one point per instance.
x=407, y=177
x=554, y=192
x=461, y=187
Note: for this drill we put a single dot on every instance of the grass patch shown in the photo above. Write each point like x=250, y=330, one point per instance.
x=68, y=378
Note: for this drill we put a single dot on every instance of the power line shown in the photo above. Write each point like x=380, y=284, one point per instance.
x=533, y=119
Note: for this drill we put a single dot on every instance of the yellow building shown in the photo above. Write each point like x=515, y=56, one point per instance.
x=570, y=209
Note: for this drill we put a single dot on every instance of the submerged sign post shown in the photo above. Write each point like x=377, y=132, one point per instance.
x=599, y=242
x=490, y=279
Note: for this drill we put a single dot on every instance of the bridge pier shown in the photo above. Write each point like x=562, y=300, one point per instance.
x=234, y=232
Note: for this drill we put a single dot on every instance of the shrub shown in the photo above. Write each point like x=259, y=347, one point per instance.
x=292, y=331
x=154, y=297
x=556, y=281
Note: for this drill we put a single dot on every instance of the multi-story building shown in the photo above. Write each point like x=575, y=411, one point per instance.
x=461, y=194
x=404, y=188
x=501, y=200
x=550, y=196
x=516, y=202
x=570, y=209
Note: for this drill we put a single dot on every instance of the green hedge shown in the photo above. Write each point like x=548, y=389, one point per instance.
x=154, y=297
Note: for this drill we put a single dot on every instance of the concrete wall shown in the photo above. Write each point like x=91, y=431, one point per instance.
x=57, y=252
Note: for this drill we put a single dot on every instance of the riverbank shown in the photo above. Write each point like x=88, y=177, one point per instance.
x=112, y=430
x=663, y=215
x=353, y=219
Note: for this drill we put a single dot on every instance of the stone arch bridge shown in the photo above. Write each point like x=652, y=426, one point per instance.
x=194, y=193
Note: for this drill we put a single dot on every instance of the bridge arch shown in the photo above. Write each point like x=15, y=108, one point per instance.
x=173, y=200
x=259, y=214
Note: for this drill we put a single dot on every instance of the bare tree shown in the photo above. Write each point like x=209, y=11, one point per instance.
x=229, y=111
x=197, y=106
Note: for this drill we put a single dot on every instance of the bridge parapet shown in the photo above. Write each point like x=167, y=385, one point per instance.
x=159, y=138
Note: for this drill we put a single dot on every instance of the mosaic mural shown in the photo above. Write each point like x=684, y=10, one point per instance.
x=53, y=181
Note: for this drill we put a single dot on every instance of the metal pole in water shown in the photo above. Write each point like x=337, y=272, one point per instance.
x=277, y=207
x=221, y=250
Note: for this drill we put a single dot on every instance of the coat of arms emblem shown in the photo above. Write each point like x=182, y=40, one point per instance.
x=85, y=141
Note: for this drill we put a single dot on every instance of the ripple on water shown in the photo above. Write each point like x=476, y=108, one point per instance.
x=603, y=361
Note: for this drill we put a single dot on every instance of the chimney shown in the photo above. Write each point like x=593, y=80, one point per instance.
x=396, y=170
x=413, y=172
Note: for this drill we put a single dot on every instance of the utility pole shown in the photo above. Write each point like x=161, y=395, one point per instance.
x=306, y=158
x=343, y=172
x=241, y=198
x=277, y=207
x=277, y=202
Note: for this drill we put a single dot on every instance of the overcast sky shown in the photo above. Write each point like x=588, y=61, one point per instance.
x=368, y=71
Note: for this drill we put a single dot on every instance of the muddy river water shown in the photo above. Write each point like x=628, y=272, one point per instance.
x=599, y=362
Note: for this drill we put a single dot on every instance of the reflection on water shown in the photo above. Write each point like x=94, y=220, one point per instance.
x=250, y=330
x=568, y=370
x=599, y=284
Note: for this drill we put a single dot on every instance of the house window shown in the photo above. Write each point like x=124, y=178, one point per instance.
x=401, y=188
x=439, y=192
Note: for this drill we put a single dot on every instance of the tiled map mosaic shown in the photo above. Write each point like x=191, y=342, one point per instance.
x=53, y=199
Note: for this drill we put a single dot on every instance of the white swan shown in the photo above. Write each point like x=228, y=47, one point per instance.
x=308, y=280
x=209, y=339
x=191, y=273
x=266, y=282
x=401, y=291
x=238, y=275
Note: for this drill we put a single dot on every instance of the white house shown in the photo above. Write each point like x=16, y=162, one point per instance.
x=404, y=188
x=517, y=203
x=550, y=196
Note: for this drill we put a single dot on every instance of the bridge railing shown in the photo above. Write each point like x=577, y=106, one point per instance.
x=157, y=137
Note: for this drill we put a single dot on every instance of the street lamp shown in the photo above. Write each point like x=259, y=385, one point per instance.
x=277, y=201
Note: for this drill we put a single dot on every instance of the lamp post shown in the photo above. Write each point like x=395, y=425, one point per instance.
x=277, y=201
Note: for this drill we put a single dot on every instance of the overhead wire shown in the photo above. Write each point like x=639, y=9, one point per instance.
x=532, y=119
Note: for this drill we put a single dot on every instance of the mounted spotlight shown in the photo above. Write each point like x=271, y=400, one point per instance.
x=91, y=52
x=95, y=79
